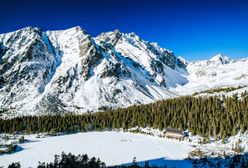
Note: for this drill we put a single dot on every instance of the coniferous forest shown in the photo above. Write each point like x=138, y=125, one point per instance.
x=204, y=116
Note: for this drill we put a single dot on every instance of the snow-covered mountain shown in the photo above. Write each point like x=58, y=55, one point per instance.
x=69, y=71
x=219, y=71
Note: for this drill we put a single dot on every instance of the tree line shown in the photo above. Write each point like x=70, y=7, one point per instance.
x=80, y=161
x=205, y=116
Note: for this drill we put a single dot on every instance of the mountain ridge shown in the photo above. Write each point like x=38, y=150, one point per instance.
x=69, y=71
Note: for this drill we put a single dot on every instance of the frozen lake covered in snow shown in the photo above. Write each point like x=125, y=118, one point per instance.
x=113, y=148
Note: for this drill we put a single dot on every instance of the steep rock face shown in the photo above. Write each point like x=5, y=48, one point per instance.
x=68, y=71
x=79, y=55
x=27, y=62
x=147, y=55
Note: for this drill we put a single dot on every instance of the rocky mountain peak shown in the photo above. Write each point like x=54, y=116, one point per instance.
x=109, y=37
x=221, y=59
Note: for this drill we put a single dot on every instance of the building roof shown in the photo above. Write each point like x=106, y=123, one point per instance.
x=173, y=130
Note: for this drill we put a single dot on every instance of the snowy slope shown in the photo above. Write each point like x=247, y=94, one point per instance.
x=219, y=71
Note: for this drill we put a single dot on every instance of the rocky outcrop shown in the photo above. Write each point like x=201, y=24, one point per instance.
x=90, y=56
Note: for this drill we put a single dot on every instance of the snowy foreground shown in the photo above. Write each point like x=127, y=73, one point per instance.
x=113, y=148
x=118, y=147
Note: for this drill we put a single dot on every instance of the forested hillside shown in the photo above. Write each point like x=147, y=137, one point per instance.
x=205, y=116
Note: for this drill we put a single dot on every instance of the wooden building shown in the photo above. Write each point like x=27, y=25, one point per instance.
x=174, y=133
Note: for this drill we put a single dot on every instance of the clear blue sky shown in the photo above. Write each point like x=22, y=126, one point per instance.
x=194, y=29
